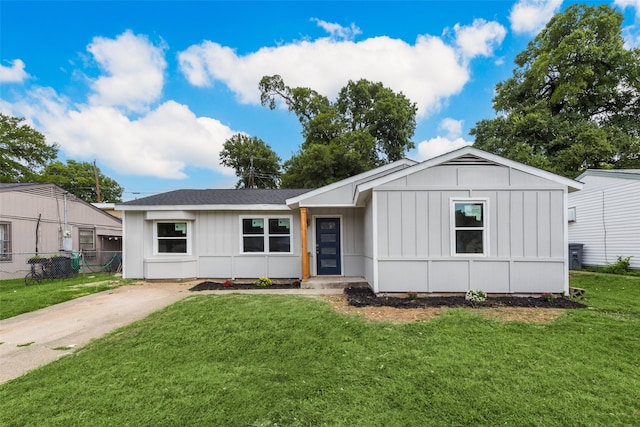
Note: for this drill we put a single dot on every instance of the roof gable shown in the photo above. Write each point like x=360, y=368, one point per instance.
x=352, y=182
x=471, y=156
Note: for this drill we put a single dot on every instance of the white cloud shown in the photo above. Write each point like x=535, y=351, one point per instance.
x=479, y=39
x=530, y=16
x=133, y=69
x=629, y=3
x=337, y=31
x=428, y=71
x=161, y=142
x=631, y=36
x=14, y=73
x=452, y=140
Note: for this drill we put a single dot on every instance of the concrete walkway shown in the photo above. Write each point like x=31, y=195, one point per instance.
x=28, y=340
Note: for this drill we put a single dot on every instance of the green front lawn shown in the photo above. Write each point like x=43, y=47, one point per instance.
x=275, y=360
x=17, y=298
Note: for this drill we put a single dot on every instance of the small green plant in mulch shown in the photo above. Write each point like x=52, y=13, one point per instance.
x=263, y=282
x=547, y=296
x=412, y=295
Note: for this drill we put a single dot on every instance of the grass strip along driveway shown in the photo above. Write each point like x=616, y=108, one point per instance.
x=275, y=360
x=17, y=298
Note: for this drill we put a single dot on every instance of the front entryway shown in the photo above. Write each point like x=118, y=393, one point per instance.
x=328, y=256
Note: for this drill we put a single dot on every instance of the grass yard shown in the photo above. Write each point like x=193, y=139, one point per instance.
x=17, y=298
x=274, y=360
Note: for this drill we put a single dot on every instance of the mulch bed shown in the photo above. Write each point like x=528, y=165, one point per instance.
x=219, y=286
x=362, y=297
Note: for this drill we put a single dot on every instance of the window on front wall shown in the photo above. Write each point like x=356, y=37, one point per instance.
x=172, y=237
x=5, y=241
x=469, y=227
x=87, y=239
x=264, y=234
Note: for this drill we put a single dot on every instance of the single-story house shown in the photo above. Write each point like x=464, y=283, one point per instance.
x=464, y=220
x=44, y=219
x=604, y=218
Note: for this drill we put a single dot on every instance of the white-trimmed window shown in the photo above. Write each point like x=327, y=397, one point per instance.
x=469, y=224
x=172, y=237
x=87, y=237
x=5, y=241
x=266, y=234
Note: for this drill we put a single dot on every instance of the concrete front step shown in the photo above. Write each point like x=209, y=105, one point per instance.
x=332, y=282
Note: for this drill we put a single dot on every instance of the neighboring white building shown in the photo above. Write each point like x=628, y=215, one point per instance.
x=464, y=220
x=605, y=216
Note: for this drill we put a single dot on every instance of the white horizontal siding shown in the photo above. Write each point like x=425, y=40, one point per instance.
x=607, y=222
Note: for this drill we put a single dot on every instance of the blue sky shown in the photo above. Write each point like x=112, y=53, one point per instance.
x=150, y=90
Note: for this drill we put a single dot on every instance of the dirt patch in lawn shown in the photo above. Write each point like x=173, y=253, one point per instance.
x=363, y=301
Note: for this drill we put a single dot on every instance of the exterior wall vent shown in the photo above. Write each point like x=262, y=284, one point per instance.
x=469, y=160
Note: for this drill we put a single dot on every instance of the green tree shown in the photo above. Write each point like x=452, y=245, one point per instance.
x=23, y=150
x=78, y=178
x=368, y=125
x=256, y=164
x=573, y=101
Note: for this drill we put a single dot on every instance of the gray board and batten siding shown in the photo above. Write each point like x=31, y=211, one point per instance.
x=525, y=231
x=464, y=220
x=214, y=221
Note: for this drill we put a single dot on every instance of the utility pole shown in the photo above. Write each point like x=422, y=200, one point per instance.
x=95, y=173
x=251, y=171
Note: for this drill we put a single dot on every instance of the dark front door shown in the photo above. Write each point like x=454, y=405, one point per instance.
x=328, y=246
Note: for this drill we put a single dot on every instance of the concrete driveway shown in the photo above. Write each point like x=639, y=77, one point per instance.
x=74, y=323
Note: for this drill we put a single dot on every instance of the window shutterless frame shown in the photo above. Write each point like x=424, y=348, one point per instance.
x=269, y=234
x=172, y=237
x=469, y=227
x=5, y=241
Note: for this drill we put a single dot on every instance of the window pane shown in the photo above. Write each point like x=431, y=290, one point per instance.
x=5, y=242
x=328, y=263
x=86, y=238
x=279, y=226
x=253, y=244
x=328, y=250
x=172, y=229
x=469, y=215
x=172, y=246
x=469, y=242
x=328, y=238
x=328, y=225
x=279, y=244
x=253, y=226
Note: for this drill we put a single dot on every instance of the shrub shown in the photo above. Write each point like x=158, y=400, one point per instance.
x=412, y=295
x=227, y=283
x=475, y=296
x=263, y=282
x=547, y=296
x=619, y=267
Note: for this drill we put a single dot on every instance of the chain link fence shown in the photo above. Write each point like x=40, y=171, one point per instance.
x=58, y=264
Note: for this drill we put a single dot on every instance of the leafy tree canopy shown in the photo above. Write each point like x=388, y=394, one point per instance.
x=573, y=101
x=78, y=178
x=368, y=125
x=256, y=164
x=23, y=150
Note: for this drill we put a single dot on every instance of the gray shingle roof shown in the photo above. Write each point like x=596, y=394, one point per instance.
x=252, y=196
